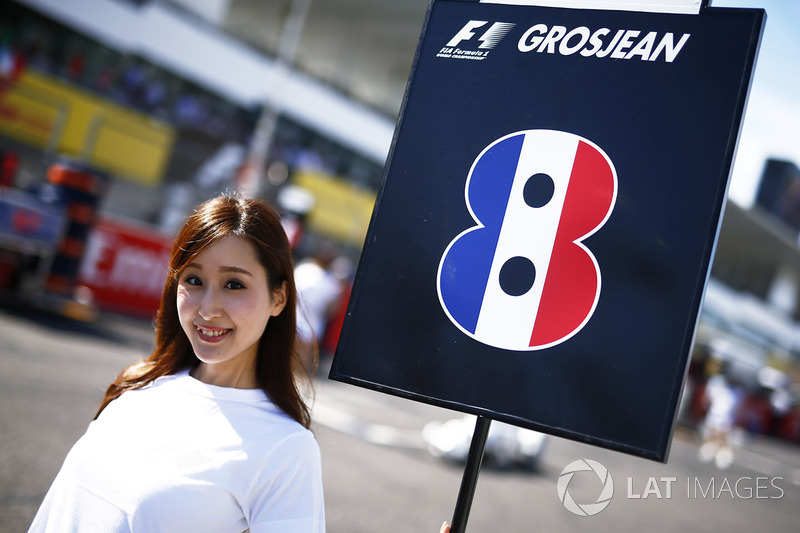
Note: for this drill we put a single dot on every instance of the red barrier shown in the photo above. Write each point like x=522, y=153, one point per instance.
x=125, y=267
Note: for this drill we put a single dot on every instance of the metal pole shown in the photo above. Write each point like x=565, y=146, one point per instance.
x=471, y=471
x=251, y=180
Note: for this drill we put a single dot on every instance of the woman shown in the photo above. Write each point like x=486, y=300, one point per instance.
x=210, y=433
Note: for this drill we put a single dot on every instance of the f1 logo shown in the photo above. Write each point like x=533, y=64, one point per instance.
x=490, y=37
x=522, y=279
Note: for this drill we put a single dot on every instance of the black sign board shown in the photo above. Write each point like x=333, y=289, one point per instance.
x=543, y=234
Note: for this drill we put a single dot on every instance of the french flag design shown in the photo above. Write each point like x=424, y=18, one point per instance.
x=521, y=279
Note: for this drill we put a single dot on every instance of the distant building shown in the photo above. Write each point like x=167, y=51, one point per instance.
x=779, y=192
x=751, y=312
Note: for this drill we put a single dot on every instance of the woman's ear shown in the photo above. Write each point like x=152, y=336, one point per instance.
x=278, y=300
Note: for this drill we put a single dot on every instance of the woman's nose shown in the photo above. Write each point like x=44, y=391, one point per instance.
x=210, y=306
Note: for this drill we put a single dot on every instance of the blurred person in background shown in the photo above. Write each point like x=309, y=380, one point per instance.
x=724, y=397
x=343, y=269
x=210, y=433
x=318, y=291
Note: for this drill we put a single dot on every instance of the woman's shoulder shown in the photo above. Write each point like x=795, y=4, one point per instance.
x=298, y=441
x=280, y=426
x=275, y=439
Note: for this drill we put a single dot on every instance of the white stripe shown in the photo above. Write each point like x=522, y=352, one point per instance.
x=507, y=321
x=494, y=34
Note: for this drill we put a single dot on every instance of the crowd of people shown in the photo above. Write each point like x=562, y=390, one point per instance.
x=725, y=405
x=28, y=40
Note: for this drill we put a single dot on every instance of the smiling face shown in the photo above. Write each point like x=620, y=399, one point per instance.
x=224, y=304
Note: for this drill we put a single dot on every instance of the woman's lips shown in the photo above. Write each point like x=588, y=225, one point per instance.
x=209, y=334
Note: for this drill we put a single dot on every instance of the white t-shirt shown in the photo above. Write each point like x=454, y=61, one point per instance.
x=180, y=455
x=317, y=289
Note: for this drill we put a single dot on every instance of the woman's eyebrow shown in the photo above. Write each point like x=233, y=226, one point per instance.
x=234, y=269
x=237, y=270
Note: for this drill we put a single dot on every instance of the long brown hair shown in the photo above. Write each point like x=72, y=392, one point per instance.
x=278, y=362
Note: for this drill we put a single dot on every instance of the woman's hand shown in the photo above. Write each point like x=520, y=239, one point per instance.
x=445, y=528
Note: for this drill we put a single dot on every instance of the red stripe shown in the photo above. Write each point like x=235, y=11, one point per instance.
x=572, y=282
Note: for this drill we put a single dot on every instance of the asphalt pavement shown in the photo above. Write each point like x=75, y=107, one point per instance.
x=377, y=473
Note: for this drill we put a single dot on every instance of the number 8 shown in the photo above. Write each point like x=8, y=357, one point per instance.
x=522, y=279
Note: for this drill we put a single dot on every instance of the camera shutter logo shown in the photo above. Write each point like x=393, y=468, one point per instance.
x=586, y=509
x=521, y=278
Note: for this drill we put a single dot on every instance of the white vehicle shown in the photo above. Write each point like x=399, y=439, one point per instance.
x=506, y=445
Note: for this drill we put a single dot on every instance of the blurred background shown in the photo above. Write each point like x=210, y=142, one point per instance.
x=118, y=116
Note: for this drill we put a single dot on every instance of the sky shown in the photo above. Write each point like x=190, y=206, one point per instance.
x=772, y=120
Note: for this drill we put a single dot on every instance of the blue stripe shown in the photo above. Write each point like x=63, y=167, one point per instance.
x=465, y=269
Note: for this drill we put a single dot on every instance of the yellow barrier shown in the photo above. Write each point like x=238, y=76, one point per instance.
x=342, y=210
x=57, y=117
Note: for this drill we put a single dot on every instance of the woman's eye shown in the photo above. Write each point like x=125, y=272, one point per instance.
x=234, y=285
x=192, y=280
